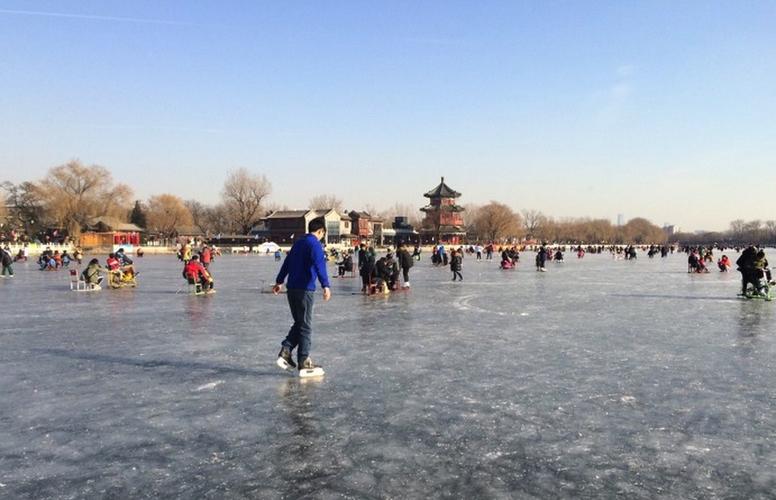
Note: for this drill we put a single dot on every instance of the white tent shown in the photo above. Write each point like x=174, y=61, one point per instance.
x=268, y=247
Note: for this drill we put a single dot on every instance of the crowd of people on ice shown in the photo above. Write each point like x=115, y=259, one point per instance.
x=390, y=271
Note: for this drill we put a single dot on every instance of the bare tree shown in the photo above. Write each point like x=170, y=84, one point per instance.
x=325, y=202
x=737, y=228
x=371, y=209
x=770, y=229
x=641, y=231
x=243, y=196
x=753, y=230
x=532, y=222
x=3, y=209
x=28, y=212
x=496, y=222
x=472, y=211
x=166, y=214
x=75, y=193
x=546, y=229
x=219, y=220
x=199, y=214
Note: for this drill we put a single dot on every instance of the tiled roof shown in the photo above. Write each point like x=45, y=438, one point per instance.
x=442, y=191
x=287, y=214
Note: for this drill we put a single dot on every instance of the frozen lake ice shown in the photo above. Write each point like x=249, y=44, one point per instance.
x=599, y=378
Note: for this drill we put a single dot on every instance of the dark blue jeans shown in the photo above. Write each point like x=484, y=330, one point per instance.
x=301, y=304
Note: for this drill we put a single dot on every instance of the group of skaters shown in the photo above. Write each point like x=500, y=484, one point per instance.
x=388, y=273
x=54, y=260
x=699, y=259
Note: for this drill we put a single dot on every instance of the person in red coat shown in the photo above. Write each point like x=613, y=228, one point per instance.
x=206, y=255
x=196, y=274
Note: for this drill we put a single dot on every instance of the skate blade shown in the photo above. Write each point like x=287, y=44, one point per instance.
x=282, y=363
x=311, y=372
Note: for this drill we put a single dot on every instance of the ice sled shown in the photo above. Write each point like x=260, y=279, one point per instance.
x=750, y=295
x=120, y=279
x=79, y=285
x=196, y=289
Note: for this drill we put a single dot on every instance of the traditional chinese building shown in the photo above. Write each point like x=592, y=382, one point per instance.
x=444, y=218
x=107, y=232
x=285, y=226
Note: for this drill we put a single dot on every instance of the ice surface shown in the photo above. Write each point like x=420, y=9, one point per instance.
x=597, y=378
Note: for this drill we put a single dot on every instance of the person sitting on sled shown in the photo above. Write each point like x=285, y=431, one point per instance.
x=196, y=274
x=346, y=265
x=762, y=272
x=91, y=275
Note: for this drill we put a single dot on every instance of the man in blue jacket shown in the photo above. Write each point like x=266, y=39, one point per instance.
x=303, y=265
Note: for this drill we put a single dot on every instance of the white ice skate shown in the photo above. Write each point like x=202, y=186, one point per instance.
x=308, y=369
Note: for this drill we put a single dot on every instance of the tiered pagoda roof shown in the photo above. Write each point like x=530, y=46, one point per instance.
x=442, y=191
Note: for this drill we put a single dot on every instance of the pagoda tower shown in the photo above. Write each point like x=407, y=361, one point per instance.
x=444, y=219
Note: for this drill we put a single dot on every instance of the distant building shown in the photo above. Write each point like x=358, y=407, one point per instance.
x=620, y=220
x=671, y=229
x=105, y=232
x=285, y=226
x=403, y=232
x=378, y=234
x=361, y=225
x=444, y=217
x=346, y=235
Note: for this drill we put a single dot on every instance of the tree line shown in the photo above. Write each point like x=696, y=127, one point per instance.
x=71, y=196
x=499, y=223
x=739, y=233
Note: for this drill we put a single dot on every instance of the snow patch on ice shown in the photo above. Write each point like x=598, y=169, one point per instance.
x=211, y=385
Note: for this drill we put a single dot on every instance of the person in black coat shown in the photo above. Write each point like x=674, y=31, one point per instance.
x=746, y=266
x=6, y=260
x=405, y=263
x=366, y=267
x=456, y=264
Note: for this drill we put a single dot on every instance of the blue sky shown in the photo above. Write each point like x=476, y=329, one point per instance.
x=659, y=109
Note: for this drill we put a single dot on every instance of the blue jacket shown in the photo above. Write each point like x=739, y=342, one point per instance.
x=303, y=265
